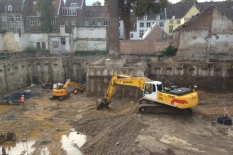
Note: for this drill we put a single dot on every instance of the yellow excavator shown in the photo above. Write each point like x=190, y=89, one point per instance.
x=60, y=90
x=156, y=98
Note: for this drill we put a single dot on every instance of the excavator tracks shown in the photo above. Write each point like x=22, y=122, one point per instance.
x=163, y=109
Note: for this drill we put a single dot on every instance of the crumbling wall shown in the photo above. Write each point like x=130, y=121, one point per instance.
x=215, y=76
x=89, y=39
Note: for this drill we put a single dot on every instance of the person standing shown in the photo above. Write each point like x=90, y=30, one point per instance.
x=22, y=100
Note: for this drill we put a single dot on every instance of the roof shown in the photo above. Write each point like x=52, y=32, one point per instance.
x=96, y=11
x=16, y=5
x=79, y=3
x=212, y=5
x=32, y=11
x=179, y=10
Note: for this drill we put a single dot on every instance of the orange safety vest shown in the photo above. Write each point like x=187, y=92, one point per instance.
x=22, y=98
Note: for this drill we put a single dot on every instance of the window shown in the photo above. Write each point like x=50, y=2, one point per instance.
x=171, y=21
x=17, y=18
x=12, y=29
x=158, y=17
x=9, y=8
x=10, y=18
x=105, y=23
x=33, y=31
x=86, y=23
x=148, y=24
x=164, y=36
x=38, y=23
x=131, y=35
x=38, y=45
x=3, y=18
x=4, y=28
x=186, y=19
x=54, y=31
x=69, y=12
x=43, y=46
x=178, y=21
x=161, y=24
x=141, y=33
x=32, y=22
x=99, y=23
x=53, y=22
x=55, y=44
x=38, y=13
x=39, y=31
x=67, y=31
x=141, y=24
x=93, y=23
x=63, y=41
x=73, y=22
x=170, y=28
x=73, y=4
x=67, y=23
x=18, y=29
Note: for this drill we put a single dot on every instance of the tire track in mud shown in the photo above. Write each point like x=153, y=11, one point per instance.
x=112, y=135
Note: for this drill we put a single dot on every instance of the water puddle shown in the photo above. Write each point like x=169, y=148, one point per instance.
x=70, y=144
x=20, y=148
x=73, y=142
x=4, y=108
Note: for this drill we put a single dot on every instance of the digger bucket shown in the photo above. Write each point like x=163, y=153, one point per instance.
x=100, y=103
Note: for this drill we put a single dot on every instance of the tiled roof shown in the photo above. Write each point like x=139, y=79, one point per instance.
x=32, y=10
x=16, y=5
x=180, y=9
x=225, y=9
x=96, y=11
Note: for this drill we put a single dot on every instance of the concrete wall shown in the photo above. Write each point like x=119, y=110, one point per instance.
x=23, y=72
x=99, y=76
x=212, y=77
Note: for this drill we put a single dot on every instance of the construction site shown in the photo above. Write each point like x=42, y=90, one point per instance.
x=114, y=104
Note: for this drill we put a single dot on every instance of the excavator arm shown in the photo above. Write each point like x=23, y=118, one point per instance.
x=74, y=84
x=124, y=80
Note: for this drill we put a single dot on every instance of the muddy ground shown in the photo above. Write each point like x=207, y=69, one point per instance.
x=117, y=130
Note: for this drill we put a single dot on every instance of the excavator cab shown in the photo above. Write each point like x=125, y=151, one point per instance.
x=58, y=85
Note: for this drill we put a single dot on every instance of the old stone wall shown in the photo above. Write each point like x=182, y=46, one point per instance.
x=23, y=72
x=213, y=77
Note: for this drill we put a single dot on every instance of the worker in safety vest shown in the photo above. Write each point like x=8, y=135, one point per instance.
x=22, y=100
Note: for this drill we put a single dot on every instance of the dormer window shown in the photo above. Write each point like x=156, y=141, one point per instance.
x=9, y=7
x=158, y=17
x=38, y=13
x=145, y=17
x=73, y=4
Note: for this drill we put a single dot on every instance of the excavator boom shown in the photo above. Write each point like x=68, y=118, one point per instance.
x=122, y=79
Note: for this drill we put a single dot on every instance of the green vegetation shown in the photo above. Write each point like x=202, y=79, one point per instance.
x=34, y=50
x=45, y=8
x=3, y=31
x=136, y=8
x=169, y=51
x=96, y=3
x=86, y=53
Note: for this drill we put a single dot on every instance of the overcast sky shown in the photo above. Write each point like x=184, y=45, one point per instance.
x=89, y=2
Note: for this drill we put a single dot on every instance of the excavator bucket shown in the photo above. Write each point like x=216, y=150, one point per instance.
x=100, y=103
